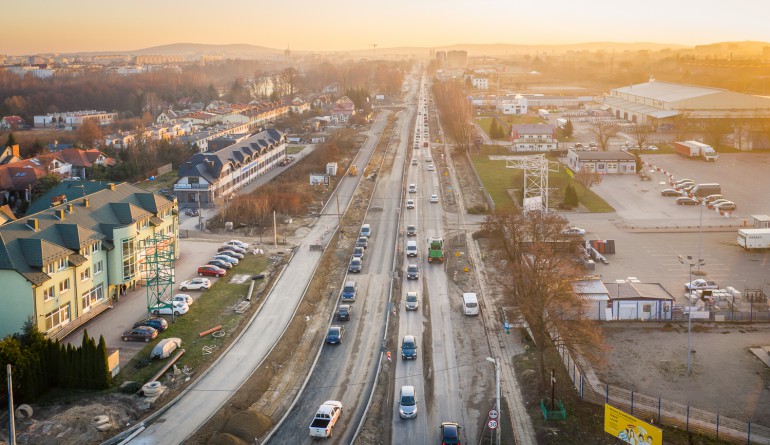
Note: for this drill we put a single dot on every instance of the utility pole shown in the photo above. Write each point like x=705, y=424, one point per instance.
x=275, y=231
x=11, y=420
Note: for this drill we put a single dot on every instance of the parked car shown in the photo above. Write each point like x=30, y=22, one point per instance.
x=711, y=198
x=651, y=148
x=222, y=264
x=232, y=249
x=409, y=348
x=229, y=259
x=670, y=192
x=165, y=347
x=191, y=212
x=716, y=202
x=140, y=333
x=362, y=242
x=235, y=242
x=433, y=199
x=335, y=334
x=195, y=284
x=411, y=230
x=573, y=231
x=232, y=254
x=183, y=298
x=358, y=252
x=688, y=188
x=344, y=311
x=410, y=203
x=683, y=180
x=683, y=185
x=211, y=271
x=450, y=433
x=412, y=301
x=355, y=265
x=686, y=201
x=158, y=323
x=727, y=205
x=176, y=308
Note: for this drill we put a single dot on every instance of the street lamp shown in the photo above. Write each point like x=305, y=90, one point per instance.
x=497, y=391
x=690, y=263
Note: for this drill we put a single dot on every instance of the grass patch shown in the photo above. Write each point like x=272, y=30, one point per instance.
x=497, y=180
x=164, y=181
x=494, y=150
x=294, y=149
x=486, y=124
x=215, y=307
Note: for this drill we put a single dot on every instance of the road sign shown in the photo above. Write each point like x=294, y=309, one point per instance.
x=493, y=414
x=492, y=424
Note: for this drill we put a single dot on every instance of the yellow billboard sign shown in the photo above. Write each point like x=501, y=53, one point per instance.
x=629, y=429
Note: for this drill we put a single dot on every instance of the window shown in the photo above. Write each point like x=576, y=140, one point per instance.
x=50, y=268
x=57, y=317
x=98, y=267
x=92, y=297
x=48, y=294
x=64, y=286
x=85, y=274
x=646, y=308
x=129, y=259
x=96, y=246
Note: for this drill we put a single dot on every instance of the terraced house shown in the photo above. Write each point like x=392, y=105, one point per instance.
x=62, y=266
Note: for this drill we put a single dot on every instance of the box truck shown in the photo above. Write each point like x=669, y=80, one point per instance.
x=543, y=113
x=703, y=190
x=694, y=149
x=754, y=238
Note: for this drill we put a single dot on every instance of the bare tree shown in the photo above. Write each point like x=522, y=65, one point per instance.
x=289, y=81
x=604, y=132
x=455, y=111
x=641, y=133
x=588, y=178
x=714, y=130
x=537, y=276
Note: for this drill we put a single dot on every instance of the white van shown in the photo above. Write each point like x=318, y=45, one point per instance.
x=470, y=304
x=412, y=188
x=366, y=230
x=411, y=248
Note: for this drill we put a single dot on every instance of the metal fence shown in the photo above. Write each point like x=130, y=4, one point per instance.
x=661, y=411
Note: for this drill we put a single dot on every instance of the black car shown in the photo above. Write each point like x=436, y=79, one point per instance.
x=355, y=265
x=191, y=212
x=221, y=264
x=409, y=348
x=141, y=333
x=334, y=336
x=450, y=433
x=343, y=313
x=411, y=230
x=160, y=324
x=412, y=272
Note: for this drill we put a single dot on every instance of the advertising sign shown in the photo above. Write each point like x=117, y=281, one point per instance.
x=629, y=429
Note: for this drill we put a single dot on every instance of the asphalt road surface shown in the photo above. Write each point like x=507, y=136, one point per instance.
x=209, y=393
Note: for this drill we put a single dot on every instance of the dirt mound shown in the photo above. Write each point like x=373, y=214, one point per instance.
x=226, y=439
x=243, y=427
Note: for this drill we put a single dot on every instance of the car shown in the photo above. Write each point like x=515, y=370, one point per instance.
x=414, y=161
x=412, y=301
x=228, y=258
x=412, y=272
x=195, y=284
x=158, y=323
x=711, y=198
x=433, y=199
x=431, y=167
x=334, y=335
x=235, y=242
x=176, y=308
x=221, y=264
x=140, y=333
x=355, y=265
x=670, y=192
x=412, y=188
x=450, y=433
x=651, y=148
x=231, y=249
x=232, y=254
x=409, y=348
x=191, y=212
x=410, y=203
x=358, y=252
x=716, y=202
x=211, y=270
x=688, y=188
x=165, y=347
x=183, y=298
x=686, y=201
x=727, y=205
x=683, y=185
x=343, y=312
x=573, y=231
x=683, y=180
x=407, y=405
x=411, y=230
x=428, y=158
x=349, y=291
x=362, y=242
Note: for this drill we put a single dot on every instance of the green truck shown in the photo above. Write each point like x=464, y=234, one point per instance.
x=435, y=250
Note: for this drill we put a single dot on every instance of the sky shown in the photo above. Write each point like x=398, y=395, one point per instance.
x=48, y=26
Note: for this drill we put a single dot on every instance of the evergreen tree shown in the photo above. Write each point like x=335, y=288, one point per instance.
x=571, y=197
x=568, y=129
x=104, y=378
x=493, y=129
x=11, y=140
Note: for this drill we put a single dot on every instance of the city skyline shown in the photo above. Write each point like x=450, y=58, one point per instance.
x=91, y=26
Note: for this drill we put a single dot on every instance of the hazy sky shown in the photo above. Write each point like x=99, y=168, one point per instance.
x=104, y=25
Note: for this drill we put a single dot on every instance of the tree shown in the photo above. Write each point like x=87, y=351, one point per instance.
x=588, y=178
x=536, y=275
x=714, y=130
x=641, y=133
x=493, y=129
x=604, y=132
x=570, y=196
x=455, y=111
x=48, y=182
x=89, y=133
x=568, y=129
x=11, y=141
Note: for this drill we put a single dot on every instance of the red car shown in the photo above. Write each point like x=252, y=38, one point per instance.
x=211, y=271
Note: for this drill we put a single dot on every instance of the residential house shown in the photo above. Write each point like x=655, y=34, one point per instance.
x=73, y=119
x=80, y=160
x=62, y=266
x=6, y=214
x=480, y=83
x=11, y=123
x=299, y=105
x=533, y=138
x=342, y=110
x=613, y=162
x=167, y=117
x=208, y=177
x=9, y=155
x=595, y=298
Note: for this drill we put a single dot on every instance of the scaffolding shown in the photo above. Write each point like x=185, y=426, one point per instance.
x=157, y=259
x=536, y=169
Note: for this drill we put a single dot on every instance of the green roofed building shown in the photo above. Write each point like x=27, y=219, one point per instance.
x=62, y=265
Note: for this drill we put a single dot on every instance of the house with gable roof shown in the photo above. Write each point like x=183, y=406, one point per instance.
x=342, y=110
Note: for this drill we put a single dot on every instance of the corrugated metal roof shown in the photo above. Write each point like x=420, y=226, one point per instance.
x=667, y=91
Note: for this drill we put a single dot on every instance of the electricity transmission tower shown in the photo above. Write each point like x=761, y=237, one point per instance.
x=536, y=168
x=158, y=268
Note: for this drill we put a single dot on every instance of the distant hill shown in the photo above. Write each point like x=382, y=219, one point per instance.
x=204, y=48
x=500, y=49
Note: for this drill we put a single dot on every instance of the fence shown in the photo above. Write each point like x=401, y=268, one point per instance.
x=660, y=411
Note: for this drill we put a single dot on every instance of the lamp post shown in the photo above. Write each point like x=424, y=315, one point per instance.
x=690, y=262
x=497, y=392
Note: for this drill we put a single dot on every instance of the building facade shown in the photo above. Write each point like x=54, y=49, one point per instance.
x=62, y=266
x=611, y=162
x=533, y=137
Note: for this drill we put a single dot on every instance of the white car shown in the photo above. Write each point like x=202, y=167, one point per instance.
x=183, y=298
x=428, y=158
x=434, y=198
x=195, y=284
x=235, y=242
x=431, y=167
x=176, y=308
x=410, y=203
x=573, y=231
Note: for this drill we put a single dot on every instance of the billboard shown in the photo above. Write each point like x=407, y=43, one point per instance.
x=629, y=429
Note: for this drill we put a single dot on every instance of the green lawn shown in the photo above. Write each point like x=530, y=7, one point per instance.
x=164, y=181
x=294, y=149
x=213, y=308
x=498, y=180
x=486, y=123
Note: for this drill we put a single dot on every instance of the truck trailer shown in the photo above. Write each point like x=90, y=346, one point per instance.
x=695, y=149
x=754, y=238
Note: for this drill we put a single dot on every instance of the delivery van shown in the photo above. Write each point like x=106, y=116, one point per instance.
x=470, y=304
